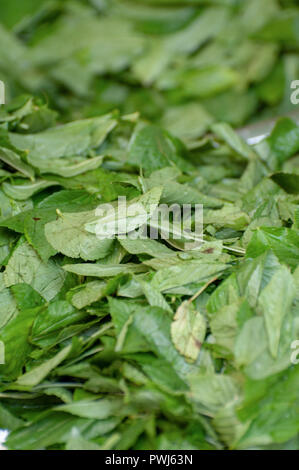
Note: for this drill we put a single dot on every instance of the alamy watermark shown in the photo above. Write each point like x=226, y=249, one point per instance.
x=139, y=220
x=295, y=353
x=2, y=353
x=295, y=93
x=2, y=93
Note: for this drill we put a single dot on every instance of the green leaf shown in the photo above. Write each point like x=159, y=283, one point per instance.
x=152, y=148
x=69, y=140
x=245, y=353
x=225, y=132
x=26, y=297
x=283, y=143
x=229, y=216
x=98, y=270
x=9, y=306
x=12, y=159
x=274, y=303
x=272, y=417
x=102, y=348
x=184, y=273
x=153, y=296
x=34, y=230
x=254, y=275
x=187, y=122
x=122, y=314
x=99, y=409
x=188, y=331
x=49, y=430
x=46, y=278
x=76, y=442
x=211, y=392
x=67, y=235
x=144, y=246
x=8, y=420
x=21, y=192
x=287, y=181
x=56, y=316
x=86, y=294
x=37, y=374
x=154, y=325
x=15, y=335
x=284, y=242
x=125, y=217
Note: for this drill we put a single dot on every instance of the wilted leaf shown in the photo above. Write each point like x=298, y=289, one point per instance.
x=188, y=330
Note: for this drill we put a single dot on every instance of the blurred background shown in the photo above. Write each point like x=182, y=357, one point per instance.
x=177, y=62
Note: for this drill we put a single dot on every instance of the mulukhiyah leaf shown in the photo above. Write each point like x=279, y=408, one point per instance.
x=37, y=374
x=224, y=324
x=201, y=82
x=57, y=315
x=132, y=288
x=31, y=223
x=154, y=296
x=185, y=273
x=229, y=216
x=95, y=356
x=122, y=314
x=152, y=149
x=188, y=330
x=187, y=122
x=226, y=133
x=287, y=181
x=26, y=297
x=68, y=236
x=86, y=294
x=69, y=201
x=25, y=266
x=125, y=216
x=8, y=304
x=14, y=160
x=98, y=270
x=100, y=409
x=211, y=392
x=76, y=442
x=14, y=336
x=227, y=293
x=154, y=325
x=34, y=231
x=274, y=303
x=176, y=193
x=254, y=276
x=21, y=192
x=48, y=431
x=283, y=142
x=277, y=421
x=6, y=241
x=245, y=353
x=68, y=167
x=123, y=43
x=284, y=242
x=77, y=138
x=144, y=246
x=8, y=420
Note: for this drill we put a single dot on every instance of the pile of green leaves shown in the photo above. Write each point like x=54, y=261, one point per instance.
x=121, y=343
x=176, y=61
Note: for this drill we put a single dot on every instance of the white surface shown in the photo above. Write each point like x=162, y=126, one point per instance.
x=3, y=436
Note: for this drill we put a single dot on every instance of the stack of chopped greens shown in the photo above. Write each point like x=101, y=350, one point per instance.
x=123, y=342
x=182, y=63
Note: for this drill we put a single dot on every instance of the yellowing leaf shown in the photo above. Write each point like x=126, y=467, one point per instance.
x=188, y=331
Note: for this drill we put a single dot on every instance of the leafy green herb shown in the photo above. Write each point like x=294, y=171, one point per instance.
x=120, y=329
